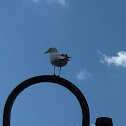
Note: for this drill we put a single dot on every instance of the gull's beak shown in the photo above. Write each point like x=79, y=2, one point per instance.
x=46, y=52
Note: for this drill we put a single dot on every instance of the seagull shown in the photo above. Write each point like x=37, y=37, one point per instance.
x=57, y=59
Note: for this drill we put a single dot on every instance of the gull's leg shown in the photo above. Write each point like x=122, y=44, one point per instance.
x=59, y=71
x=54, y=70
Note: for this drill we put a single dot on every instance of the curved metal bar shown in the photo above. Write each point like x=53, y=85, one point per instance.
x=46, y=78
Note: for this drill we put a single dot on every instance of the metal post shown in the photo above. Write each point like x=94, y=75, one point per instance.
x=52, y=79
x=104, y=121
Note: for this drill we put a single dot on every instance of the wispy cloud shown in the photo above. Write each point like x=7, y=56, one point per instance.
x=36, y=1
x=83, y=75
x=62, y=2
x=119, y=60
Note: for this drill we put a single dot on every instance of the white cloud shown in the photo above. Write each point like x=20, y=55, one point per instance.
x=82, y=75
x=62, y=2
x=36, y=1
x=119, y=60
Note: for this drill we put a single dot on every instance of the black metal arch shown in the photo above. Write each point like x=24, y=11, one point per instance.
x=46, y=78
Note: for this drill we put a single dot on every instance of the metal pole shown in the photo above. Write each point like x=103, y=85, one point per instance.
x=52, y=79
x=104, y=121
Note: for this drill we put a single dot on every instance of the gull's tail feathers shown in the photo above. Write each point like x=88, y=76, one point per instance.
x=68, y=57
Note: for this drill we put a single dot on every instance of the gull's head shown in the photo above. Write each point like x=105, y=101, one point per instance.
x=50, y=50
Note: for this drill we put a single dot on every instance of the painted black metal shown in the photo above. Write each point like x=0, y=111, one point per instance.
x=46, y=78
x=104, y=121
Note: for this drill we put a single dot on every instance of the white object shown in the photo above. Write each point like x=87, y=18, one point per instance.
x=57, y=59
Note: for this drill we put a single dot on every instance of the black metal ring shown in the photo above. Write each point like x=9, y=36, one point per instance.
x=46, y=78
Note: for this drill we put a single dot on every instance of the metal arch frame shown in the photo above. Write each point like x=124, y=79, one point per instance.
x=46, y=78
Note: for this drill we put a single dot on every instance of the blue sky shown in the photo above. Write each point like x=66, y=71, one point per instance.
x=91, y=31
